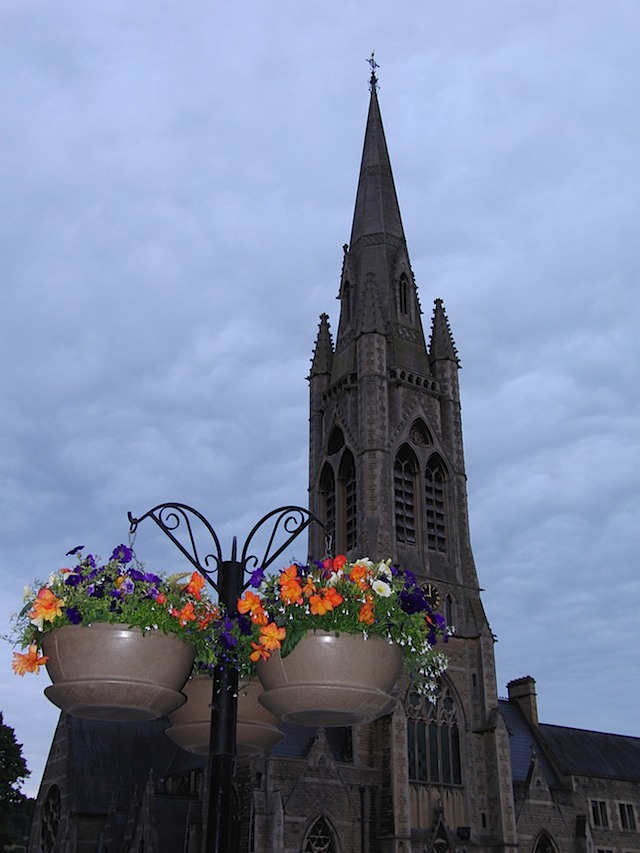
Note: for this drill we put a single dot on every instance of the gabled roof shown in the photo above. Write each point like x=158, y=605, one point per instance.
x=580, y=752
x=572, y=752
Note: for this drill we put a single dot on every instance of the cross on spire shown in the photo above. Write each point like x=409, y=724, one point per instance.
x=373, y=81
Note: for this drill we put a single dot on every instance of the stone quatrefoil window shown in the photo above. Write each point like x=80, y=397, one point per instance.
x=433, y=740
x=320, y=838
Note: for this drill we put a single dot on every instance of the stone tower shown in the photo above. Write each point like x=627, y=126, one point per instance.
x=387, y=476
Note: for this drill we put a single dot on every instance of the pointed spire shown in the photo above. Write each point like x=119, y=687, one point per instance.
x=322, y=360
x=441, y=345
x=377, y=211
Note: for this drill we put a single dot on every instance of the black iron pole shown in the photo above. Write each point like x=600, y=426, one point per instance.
x=221, y=823
x=229, y=582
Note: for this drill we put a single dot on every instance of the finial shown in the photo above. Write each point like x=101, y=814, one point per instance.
x=373, y=81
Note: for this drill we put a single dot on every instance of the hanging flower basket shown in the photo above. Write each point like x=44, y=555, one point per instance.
x=114, y=672
x=331, y=680
x=256, y=729
x=329, y=639
x=118, y=642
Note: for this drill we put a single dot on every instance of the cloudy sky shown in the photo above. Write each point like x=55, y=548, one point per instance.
x=177, y=181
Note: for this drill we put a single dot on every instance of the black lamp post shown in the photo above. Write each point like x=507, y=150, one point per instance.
x=228, y=578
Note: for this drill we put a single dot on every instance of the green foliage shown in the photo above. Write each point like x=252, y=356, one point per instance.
x=13, y=772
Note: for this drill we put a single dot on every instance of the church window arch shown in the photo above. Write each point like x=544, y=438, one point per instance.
x=336, y=441
x=420, y=434
x=347, y=300
x=348, y=503
x=320, y=838
x=50, y=820
x=433, y=739
x=328, y=498
x=403, y=295
x=449, y=609
x=405, y=470
x=544, y=844
x=435, y=479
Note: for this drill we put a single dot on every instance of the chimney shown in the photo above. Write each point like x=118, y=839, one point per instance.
x=523, y=692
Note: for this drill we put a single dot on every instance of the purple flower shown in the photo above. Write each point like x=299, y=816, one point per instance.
x=127, y=586
x=72, y=579
x=74, y=550
x=244, y=624
x=153, y=593
x=413, y=600
x=73, y=616
x=227, y=638
x=122, y=554
x=256, y=578
x=115, y=593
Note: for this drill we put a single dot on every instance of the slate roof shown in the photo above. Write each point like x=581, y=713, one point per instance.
x=114, y=759
x=523, y=744
x=585, y=753
x=577, y=752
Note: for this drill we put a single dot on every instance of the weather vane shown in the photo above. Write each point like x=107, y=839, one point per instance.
x=373, y=80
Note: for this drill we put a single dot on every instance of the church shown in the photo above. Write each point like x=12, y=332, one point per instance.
x=472, y=772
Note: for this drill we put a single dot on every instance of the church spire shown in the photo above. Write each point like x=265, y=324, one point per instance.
x=377, y=213
x=377, y=288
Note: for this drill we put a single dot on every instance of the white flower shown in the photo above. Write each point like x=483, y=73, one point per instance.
x=27, y=593
x=381, y=588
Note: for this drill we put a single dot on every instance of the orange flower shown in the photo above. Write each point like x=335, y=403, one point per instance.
x=194, y=587
x=325, y=602
x=358, y=575
x=309, y=587
x=29, y=662
x=290, y=589
x=187, y=614
x=252, y=603
x=46, y=607
x=258, y=653
x=271, y=636
x=366, y=613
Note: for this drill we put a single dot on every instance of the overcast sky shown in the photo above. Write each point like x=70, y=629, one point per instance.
x=177, y=181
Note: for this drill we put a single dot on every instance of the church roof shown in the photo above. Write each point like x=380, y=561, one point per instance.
x=114, y=759
x=580, y=752
x=573, y=752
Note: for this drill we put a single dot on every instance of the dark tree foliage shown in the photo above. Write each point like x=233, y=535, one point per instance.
x=13, y=772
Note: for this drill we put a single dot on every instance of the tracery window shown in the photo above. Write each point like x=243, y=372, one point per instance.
x=50, y=820
x=328, y=498
x=404, y=480
x=433, y=740
x=320, y=838
x=435, y=485
x=348, y=495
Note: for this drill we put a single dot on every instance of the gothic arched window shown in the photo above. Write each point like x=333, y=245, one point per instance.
x=328, y=499
x=348, y=502
x=319, y=838
x=346, y=300
x=50, y=820
x=403, y=294
x=433, y=740
x=544, y=844
x=435, y=484
x=404, y=487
